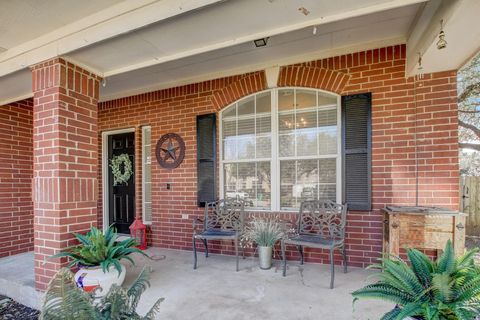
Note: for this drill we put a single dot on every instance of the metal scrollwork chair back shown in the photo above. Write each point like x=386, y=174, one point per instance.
x=321, y=224
x=223, y=220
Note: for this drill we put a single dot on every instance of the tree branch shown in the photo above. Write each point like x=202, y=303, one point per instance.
x=469, y=126
x=469, y=111
x=474, y=146
x=472, y=89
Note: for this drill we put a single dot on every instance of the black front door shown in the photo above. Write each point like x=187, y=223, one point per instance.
x=121, y=195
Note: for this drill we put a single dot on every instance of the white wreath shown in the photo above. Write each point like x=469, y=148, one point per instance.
x=119, y=176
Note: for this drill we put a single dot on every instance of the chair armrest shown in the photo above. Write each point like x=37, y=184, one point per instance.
x=197, y=224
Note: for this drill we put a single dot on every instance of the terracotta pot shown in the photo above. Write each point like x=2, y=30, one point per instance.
x=93, y=279
x=265, y=255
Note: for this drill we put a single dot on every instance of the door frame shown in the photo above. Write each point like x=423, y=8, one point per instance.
x=105, y=198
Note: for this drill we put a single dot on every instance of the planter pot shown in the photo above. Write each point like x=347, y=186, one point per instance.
x=265, y=255
x=93, y=279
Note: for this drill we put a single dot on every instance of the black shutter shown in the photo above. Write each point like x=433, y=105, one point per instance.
x=357, y=150
x=206, y=156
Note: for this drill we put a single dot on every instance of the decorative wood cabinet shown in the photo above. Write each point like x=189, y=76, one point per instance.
x=422, y=228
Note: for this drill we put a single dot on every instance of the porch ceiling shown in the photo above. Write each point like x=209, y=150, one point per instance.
x=148, y=44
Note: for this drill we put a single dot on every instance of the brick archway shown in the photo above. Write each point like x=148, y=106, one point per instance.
x=313, y=77
x=290, y=76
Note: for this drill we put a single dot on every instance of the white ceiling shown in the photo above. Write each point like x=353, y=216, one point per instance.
x=391, y=26
x=24, y=20
x=145, y=45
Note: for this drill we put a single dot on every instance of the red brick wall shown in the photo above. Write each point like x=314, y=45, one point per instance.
x=16, y=162
x=65, y=159
x=401, y=126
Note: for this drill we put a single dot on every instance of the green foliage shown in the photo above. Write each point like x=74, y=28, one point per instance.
x=264, y=232
x=99, y=249
x=445, y=289
x=65, y=301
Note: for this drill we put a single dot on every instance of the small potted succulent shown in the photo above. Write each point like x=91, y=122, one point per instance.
x=445, y=289
x=265, y=233
x=98, y=258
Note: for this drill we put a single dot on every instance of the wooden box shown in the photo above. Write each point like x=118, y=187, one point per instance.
x=422, y=228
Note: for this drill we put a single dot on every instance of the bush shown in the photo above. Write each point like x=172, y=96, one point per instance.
x=448, y=288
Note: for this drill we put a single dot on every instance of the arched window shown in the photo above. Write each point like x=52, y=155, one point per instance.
x=281, y=146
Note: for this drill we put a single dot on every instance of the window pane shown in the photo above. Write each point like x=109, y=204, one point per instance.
x=264, y=102
x=306, y=133
x=263, y=185
x=327, y=179
x=230, y=111
x=230, y=180
x=146, y=175
x=326, y=99
x=246, y=138
x=250, y=182
x=246, y=147
x=327, y=131
x=230, y=148
x=264, y=124
x=285, y=99
x=264, y=147
x=246, y=106
x=306, y=99
x=286, y=145
x=286, y=122
x=307, y=180
x=287, y=183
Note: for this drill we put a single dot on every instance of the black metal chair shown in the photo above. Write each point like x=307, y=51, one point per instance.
x=321, y=224
x=223, y=220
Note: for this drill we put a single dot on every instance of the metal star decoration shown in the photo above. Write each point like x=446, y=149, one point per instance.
x=170, y=150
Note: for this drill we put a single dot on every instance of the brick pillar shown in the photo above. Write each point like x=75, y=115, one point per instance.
x=65, y=159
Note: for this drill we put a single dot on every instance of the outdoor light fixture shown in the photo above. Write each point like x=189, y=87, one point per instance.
x=420, y=67
x=104, y=82
x=441, y=43
x=260, y=42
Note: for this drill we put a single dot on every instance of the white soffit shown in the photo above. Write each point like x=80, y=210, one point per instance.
x=25, y=20
x=224, y=25
x=360, y=33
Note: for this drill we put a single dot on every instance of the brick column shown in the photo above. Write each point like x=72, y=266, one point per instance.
x=65, y=159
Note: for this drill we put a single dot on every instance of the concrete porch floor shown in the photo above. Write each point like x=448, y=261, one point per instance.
x=216, y=291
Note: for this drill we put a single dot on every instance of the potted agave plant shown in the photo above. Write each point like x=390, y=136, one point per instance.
x=445, y=289
x=265, y=233
x=98, y=257
x=65, y=301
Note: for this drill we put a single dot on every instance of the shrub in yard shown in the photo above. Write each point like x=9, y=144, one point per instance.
x=445, y=289
x=64, y=300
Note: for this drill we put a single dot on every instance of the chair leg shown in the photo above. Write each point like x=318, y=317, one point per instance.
x=344, y=252
x=332, y=268
x=236, y=252
x=300, y=249
x=205, y=243
x=194, y=254
x=284, y=259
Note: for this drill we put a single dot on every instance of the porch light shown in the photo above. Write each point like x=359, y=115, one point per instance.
x=260, y=42
x=441, y=43
x=138, y=231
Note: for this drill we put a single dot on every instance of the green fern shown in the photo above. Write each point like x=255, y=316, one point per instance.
x=65, y=301
x=445, y=289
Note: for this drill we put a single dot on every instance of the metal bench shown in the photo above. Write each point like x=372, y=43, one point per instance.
x=321, y=224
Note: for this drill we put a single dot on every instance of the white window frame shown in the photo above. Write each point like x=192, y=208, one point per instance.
x=144, y=155
x=275, y=158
